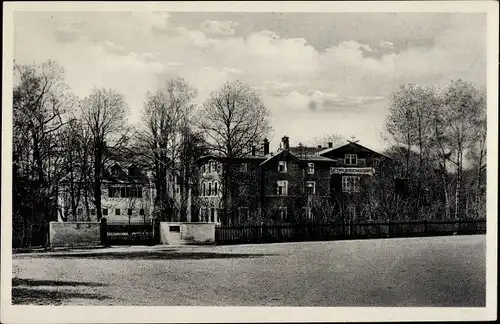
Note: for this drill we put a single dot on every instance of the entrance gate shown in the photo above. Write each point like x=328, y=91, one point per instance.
x=130, y=232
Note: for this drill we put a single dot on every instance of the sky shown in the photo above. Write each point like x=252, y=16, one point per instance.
x=318, y=73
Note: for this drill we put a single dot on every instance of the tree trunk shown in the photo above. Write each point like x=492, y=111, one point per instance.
x=458, y=186
x=97, y=181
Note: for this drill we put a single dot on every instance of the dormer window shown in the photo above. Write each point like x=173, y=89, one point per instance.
x=351, y=159
x=310, y=168
x=281, y=166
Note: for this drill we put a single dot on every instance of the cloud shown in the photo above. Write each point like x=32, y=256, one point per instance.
x=133, y=52
x=386, y=45
x=112, y=47
x=218, y=28
x=233, y=70
x=319, y=100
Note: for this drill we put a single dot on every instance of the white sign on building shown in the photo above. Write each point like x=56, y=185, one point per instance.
x=367, y=171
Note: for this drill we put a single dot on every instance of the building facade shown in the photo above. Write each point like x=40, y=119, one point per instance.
x=127, y=192
x=295, y=184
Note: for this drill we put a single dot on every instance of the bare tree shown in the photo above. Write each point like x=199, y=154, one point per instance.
x=165, y=116
x=75, y=184
x=477, y=153
x=192, y=147
x=408, y=123
x=438, y=128
x=233, y=119
x=103, y=112
x=40, y=101
x=463, y=106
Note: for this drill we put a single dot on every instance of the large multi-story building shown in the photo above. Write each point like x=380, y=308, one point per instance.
x=292, y=185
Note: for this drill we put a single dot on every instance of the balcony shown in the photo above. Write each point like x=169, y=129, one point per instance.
x=359, y=163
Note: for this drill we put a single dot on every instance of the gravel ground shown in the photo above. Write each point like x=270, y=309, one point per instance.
x=434, y=271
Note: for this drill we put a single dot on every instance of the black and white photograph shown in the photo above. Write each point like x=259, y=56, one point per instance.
x=263, y=160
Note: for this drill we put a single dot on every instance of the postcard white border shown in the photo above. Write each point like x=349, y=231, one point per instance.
x=106, y=314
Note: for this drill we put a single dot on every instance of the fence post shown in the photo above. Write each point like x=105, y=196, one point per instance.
x=156, y=231
x=389, y=227
x=425, y=226
x=104, y=231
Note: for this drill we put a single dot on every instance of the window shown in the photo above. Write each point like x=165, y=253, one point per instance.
x=215, y=189
x=117, y=211
x=204, y=168
x=80, y=211
x=92, y=211
x=282, y=188
x=243, y=213
x=209, y=188
x=351, y=212
x=282, y=166
x=283, y=212
x=310, y=168
x=212, y=166
x=350, y=184
x=105, y=212
x=130, y=211
x=212, y=215
x=244, y=167
x=308, y=213
x=351, y=159
x=310, y=187
x=113, y=192
x=177, y=189
x=203, y=189
x=141, y=212
x=202, y=214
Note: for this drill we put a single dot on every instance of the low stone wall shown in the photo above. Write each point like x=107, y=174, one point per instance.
x=74, y=234
x=175, y=233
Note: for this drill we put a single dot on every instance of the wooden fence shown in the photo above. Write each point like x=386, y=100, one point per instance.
x=351, y=230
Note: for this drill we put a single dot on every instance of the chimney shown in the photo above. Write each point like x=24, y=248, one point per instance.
x=330, y=144
x=266, y=146
x=253, y=150
x=319, y=146
x=286, y=143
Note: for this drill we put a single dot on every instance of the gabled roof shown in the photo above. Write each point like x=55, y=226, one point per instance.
x=251, y=157
x=328, y=150
x=279, y=154
x=297, y=150
x=317, y=158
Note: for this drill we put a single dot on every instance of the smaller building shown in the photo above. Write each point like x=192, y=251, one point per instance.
x=127, y=192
